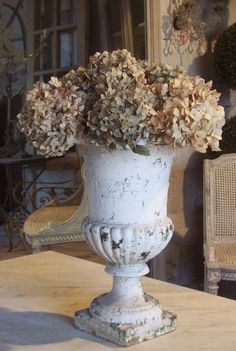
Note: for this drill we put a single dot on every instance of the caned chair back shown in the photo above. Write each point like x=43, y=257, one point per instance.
x=220, y=199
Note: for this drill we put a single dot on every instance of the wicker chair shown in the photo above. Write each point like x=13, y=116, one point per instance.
x=58, y=221
x=219, y=221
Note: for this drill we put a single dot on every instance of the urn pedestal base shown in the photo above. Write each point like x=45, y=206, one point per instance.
x=127, y=225
x=125, y=334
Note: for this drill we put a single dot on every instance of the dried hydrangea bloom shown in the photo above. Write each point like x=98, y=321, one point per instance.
x=125, y=101
x=114, y=71
x=190, y=115
x=49, y=115
x=120, y=120
x=120, y=102
x=162, y=73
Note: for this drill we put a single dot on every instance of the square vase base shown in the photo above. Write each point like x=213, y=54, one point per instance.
x=124, y=334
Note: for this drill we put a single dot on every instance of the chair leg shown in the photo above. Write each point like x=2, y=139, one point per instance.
x=213, y=278
x=205, y=278
x=36, y=246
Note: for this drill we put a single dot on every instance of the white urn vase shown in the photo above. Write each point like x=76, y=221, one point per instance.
x=127, y=225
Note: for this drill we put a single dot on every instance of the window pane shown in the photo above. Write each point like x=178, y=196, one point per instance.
x=114, y=15
x=115, y=40
x=43, y=14
x=138, y=28
x=42, y=78
x=18, y=43
x=139, y=42
x=66, y=11
x=137, y=10
x=44, y=59
x=5, y=14
x=67, y=48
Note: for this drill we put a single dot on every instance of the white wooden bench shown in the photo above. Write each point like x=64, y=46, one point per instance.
x=58, y=221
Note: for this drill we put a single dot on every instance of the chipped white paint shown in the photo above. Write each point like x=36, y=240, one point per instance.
x=127, y=244
x=127, y=225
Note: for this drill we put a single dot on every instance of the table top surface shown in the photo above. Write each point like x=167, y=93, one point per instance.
x=40, y=293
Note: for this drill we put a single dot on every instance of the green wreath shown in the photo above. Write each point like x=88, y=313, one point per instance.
x=228, y=142
x=225, y=56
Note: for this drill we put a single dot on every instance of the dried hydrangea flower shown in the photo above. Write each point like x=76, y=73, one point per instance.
x=115, y=70
x=190, y=115
x=125, y=101
x=49, y=115
x=120, y=102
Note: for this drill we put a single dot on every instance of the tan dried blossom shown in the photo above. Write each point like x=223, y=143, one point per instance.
x=120, y=102
x=121, y=121
x=49, y=115
x=115, y=71
x=190, y=115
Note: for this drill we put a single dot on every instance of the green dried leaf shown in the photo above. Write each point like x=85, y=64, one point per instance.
x=142, y=150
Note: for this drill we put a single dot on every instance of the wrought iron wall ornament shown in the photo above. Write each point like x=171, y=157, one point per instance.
x=188, y=23
x=225, y=56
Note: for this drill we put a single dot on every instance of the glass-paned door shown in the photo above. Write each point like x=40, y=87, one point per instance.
x=60, y=26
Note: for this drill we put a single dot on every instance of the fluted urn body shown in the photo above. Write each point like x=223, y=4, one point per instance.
x=127, y=225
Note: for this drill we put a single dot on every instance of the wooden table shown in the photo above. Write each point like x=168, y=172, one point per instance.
x=40, y=293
